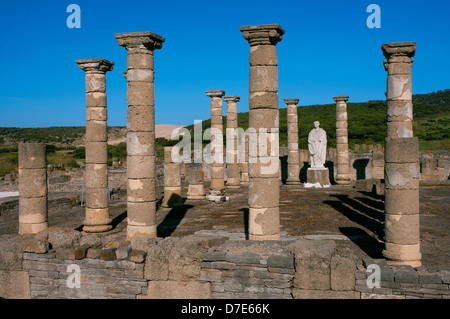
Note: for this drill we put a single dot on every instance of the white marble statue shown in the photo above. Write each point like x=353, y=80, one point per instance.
x=317, y=146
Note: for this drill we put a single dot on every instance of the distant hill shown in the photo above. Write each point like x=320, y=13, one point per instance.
x=70, y=136
x=367, y=121
x=366, y=125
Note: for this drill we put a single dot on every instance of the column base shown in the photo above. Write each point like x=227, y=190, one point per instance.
x=288, y=182
x=403, y=254
x=233, y=183
x=134, y=231
x=217, y=184
x=244, y=179
x=97, y=220
x=264, y=237
x=96, y=228
x=343, y=181
x=196, y=192
x=196, y=196
x=32, y=228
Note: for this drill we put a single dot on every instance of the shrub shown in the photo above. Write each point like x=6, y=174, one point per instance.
x=119, y=150
x=79, y=153
x=51, y=148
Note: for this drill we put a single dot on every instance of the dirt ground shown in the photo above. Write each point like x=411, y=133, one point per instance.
x=349, y=216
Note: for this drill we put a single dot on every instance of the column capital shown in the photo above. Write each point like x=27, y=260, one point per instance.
x=215, y=93
x=340, y=98
x=264, y=34
x=291, y=101
x=95, y=65
x=139, y=40
x=231, y=98
x=399, y=49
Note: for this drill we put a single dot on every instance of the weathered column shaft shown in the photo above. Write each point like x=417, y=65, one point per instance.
x=244, y=166
x=196, y=189
x=217, y=167
x=377, y=164
x=233, y=179
x=264, y=192
x=402, y=170
x=97, y=218
x=33, y=189
x=343, y=169
x=172, y=180
x=141, y=197
x=293, y=177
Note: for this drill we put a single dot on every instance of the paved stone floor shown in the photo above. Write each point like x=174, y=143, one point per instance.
x=351, y=217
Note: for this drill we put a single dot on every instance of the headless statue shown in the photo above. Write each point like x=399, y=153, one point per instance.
x=317, y=146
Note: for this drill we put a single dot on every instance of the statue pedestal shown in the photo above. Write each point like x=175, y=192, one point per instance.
x=317, y=177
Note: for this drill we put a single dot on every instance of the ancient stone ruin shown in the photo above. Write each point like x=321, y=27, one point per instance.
x=157, y=236
x=97, y=211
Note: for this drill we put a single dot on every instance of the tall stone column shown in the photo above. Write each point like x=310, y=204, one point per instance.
x=172, y=180
x=233, y=179
x=97, y=217
x=244, y=166
x=195, y=189
x=141, y=197
x=263, y=191
x=292, y=137
x=33, y=189
x=217, y=171
x=402, y=170
x=343, y=168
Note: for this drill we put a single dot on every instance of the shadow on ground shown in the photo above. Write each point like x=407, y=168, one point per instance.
x=172, y=220
x=369, y=215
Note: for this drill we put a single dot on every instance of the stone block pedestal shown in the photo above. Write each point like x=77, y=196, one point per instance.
x=317, y=177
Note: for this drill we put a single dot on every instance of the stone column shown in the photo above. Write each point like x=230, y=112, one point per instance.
x=33, y=189
x=233, y=179
x=244, y=166
x=402, y=171
x=196, y=189
x=217, y=171
x=263, y=191
x=172, y=180
x=141, y=197
x=343, y=169
x=377, y=164
x=97, y=218
x=292, y=137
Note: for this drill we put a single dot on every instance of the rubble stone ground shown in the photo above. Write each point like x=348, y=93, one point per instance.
x=343, y=213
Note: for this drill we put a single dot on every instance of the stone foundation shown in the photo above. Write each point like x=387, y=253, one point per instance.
x=199, y=267
x=317, y=177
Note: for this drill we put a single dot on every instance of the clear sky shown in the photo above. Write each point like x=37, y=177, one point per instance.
x=327, y=50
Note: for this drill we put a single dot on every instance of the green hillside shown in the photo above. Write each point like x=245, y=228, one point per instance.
x=367, y=121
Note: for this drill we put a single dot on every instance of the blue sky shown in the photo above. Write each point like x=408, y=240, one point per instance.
x=327, y=50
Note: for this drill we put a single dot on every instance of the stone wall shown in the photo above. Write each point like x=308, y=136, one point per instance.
x=38, y=267
x=248, y=270
x=50, y=272
x=435, y=166
x=403, y=282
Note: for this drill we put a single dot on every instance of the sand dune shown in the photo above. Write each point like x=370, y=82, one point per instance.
x=165, y=130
